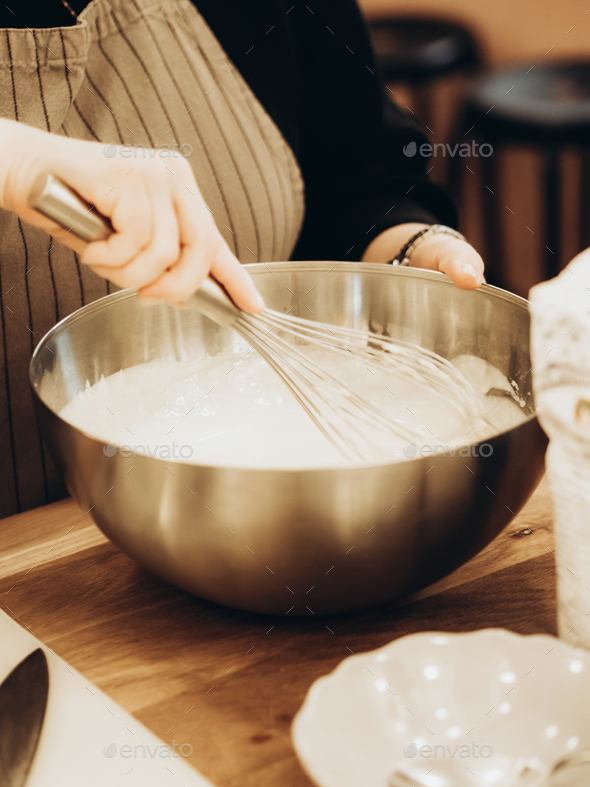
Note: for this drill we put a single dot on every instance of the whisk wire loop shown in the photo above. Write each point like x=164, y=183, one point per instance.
x=394, y=356
x=337, y=411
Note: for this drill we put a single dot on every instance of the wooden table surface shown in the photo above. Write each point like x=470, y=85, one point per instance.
x=228, y=682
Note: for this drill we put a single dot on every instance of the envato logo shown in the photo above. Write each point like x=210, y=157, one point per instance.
x=160, y=451
x=134, y=151
x=476, y=449
x=128, y=751
x=463, y=750
x=464, y=149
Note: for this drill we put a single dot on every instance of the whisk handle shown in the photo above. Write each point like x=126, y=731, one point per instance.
x=54, y=199
x=213, y=301
x=59, y=202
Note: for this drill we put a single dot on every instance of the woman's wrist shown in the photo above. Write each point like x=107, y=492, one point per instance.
x=25, y=153
x=8, y=139
x=387, y=244
x=21, y=150
x=404, y=255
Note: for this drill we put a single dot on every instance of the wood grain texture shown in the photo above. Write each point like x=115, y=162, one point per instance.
x=229, y=682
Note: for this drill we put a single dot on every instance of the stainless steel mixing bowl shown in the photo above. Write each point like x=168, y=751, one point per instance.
x=296, y=541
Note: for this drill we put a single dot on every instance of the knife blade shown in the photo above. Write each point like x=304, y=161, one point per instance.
x=23, y=700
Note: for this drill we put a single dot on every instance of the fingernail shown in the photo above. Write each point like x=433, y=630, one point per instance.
x=469, y=270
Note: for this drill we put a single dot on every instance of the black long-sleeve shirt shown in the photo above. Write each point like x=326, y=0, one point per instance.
x=310, y=65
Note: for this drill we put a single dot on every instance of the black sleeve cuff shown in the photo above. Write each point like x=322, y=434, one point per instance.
x=377, y=214
x=347, y=235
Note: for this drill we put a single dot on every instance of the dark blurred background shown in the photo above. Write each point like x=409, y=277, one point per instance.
x=515, y=74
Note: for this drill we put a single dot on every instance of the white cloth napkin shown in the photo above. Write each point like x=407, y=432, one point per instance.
x=560, y=351
x=560, y=330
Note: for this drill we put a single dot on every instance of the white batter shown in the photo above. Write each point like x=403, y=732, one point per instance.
x=232, y=409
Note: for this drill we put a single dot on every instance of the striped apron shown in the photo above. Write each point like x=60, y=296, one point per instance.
x=135, y=72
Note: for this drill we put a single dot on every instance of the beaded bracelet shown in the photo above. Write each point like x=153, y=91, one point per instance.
x=403, y=257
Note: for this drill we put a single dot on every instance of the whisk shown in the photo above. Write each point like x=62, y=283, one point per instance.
x=347, y=420
x=344, y=417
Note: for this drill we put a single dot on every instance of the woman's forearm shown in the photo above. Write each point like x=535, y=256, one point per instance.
x=386, y=245
x=26, y=151
x=11, y=136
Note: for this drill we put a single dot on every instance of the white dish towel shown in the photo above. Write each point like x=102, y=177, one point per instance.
x=560, y=351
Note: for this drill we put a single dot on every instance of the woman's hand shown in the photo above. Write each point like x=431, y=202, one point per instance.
x=165, y=242
x=438, y=252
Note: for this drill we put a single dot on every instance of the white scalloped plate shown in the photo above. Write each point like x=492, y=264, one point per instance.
x=520, y=698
